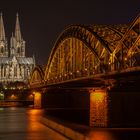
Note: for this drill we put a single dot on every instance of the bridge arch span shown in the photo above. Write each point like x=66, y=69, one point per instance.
x=83, y=51
x=37, y=76
x=79, y=51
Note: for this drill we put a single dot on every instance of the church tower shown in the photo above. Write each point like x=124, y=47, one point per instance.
x=3, y=41
x=17, y=44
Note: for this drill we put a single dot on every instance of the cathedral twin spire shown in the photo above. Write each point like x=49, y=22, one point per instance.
x=17, y=29
x=17, y=44
x=2, y=31
x=3, y=41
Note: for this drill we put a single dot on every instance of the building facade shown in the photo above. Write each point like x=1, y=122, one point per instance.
x=14, y=65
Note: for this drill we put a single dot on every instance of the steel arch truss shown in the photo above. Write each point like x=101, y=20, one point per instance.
x=37, y=77
x=83, y=51
x=78, y=52
x=127, y=50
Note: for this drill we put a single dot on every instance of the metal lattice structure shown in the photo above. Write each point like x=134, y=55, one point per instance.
x=37, y=78
x=84, y=51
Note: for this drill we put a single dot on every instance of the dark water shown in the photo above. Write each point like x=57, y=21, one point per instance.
x=114, y=134
x=24, y=124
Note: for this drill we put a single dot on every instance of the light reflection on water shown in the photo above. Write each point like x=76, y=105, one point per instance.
x=38, y=131
x=33, y=122
x=99, y=135
x=35, y=112
x=24, y=124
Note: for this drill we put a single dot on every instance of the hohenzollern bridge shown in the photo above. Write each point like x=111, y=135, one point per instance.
x=90, y=51
x=93, y=68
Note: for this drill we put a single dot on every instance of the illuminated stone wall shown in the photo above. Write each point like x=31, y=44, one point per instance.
x=98, y=108
x=37, y=100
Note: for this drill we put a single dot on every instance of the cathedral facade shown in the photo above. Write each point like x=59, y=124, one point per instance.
x=14, y=65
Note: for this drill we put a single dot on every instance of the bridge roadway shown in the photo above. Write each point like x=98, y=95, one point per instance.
x=129, y=75
x=25, y=124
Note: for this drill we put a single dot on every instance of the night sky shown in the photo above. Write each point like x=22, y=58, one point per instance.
x=43, y=20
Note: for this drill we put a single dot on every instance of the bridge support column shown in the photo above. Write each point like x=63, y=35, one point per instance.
x=37, y=100
x=98, y=108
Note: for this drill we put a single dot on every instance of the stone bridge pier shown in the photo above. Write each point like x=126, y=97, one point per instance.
x=95, y=107
x=39, y=98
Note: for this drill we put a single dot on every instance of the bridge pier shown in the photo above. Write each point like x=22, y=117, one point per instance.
x=115, y=106
x=98, y=108
x=37, y=99
x=85, y=106
x=95, y=107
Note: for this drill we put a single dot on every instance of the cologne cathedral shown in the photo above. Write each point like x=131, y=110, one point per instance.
x=14, y=65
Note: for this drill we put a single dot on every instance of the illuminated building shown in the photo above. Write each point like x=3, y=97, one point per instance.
x=14, y=65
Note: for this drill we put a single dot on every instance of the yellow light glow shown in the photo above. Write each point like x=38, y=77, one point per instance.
x=98, y=108
x=13, y=97
x=100, y=135
x=30, y=97
x=33, y=112
x=37, y=99
x=37, y=95
x=33, y=123
x=97, y=96
x=125, y=58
